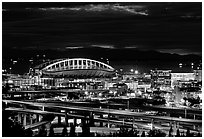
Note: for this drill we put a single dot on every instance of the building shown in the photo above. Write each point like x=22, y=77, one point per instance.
x=177, y=77
x=160, y=78
x=74, y=68
x=198, y=75
x=130, y=76
x=78, y=73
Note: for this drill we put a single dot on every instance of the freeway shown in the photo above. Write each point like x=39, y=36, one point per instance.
x=104, y=130
x=55, y=91
x=40, y=112
x=35, y=125
x=137, y=124
x=145, y=126
x=106, y=111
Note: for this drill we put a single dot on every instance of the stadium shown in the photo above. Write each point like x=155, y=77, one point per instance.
x=75, y=68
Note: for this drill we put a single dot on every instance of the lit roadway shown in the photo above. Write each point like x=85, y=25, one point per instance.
x=107, y=111
x=138, y=123
x=54, y=91
x=156, y=108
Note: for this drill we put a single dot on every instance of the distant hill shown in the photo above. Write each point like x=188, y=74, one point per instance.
x=118, y=58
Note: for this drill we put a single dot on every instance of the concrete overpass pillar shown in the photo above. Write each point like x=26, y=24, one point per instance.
x=31, y=118
x=177, y=125
x=24, y=120
x=43, y=108
x=123, y=121
x=170, y=124
x=40, y=118
x=19, y=118
x=6, y=104
x=152, y=124
x=37, y=118
x=194, y=127
x=75, y=121
x=108, y=120
x=174, y=128
x=133, y=121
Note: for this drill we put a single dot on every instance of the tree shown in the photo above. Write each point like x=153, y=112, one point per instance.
x=188, y=134
x=28, y=133
x=170, y=132
x=5, y=88
x=51, y=132
x=177, y=133
x=85, y=129
x=72, y=130
x=10, y=128
x=143, y=134
x=64, y=132
x=198, y=135
x=42, y=132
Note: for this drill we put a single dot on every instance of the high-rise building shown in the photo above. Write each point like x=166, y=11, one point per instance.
x=160, y=78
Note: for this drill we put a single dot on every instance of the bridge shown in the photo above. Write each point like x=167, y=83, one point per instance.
x=139, y=120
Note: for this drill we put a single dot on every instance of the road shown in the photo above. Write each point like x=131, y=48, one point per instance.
x=141, y=124
x=106, y=111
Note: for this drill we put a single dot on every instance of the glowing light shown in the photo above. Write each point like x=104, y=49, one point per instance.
x=104, y=46
x=74, y=47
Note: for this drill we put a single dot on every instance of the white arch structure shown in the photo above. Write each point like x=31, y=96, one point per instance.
x=77, y=63
x=76, y=67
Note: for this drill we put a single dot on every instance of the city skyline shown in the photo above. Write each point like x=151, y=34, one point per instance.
x=102, y=69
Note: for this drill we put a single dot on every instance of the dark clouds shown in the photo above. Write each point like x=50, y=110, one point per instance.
x=164, y=27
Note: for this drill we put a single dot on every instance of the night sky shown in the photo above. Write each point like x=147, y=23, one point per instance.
x=125, y=33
